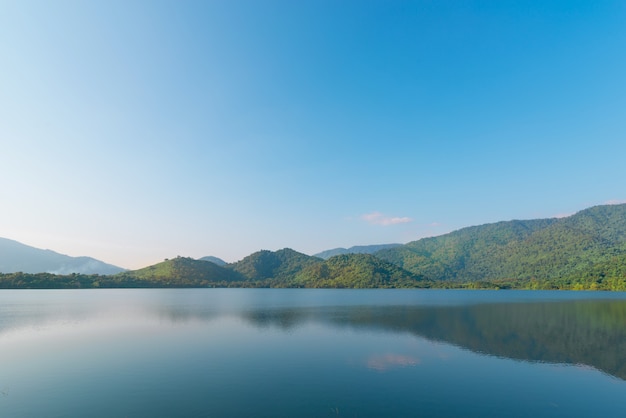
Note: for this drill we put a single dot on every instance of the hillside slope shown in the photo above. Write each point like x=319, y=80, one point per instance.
x=280, y=266
x=356, y=271
x=536, y=249
x=178, y=272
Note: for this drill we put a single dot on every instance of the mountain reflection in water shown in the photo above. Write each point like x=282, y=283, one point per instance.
x=591, y=333
x=575, y=330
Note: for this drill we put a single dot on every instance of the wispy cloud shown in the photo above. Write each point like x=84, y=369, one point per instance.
x=377, y=218
x=615, y=202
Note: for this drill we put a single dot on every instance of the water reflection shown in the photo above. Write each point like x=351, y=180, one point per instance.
x=586, y=332
x=591, y=333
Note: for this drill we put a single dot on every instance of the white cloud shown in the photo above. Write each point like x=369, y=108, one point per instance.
x=377, y=218
x=615, y=202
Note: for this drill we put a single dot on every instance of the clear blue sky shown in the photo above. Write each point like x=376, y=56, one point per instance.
x=132, y=131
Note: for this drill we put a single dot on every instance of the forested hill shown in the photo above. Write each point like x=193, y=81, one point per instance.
x=281, y=265
x=283, y=268
x=586, y=244
x=178, y=272
x=357, y=271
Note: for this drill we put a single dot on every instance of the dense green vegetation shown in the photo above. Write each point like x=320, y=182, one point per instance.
x=273, y=266
x=183, y=272
x=469, y=253
x=178, y=272
x=357, y=271
x=283, y=268
x=22, y=280
x=583, y=251
x=572, y=252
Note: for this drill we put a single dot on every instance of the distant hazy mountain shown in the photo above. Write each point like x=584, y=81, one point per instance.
x=15, y=256
x=214, y=260
x=590, y=244
x=358, y=249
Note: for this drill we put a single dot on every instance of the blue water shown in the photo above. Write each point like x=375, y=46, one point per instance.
x=311, y=353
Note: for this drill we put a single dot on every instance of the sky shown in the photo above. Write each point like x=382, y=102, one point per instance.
x=133, y=131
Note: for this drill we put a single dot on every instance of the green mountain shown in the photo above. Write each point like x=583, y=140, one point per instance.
x=277, y=266
x=356, y=271
x=283, y=268
x=583, y=251
x=178, y=272
x=357, y=249
x=588, y=244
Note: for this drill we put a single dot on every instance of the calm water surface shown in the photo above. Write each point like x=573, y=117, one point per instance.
x=311, y=353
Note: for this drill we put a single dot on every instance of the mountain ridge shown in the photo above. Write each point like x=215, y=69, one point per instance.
x=179, y=272
x=586, y=250
x=18, y=257
x=552, y=249
x=279, y=265
x=360, y=271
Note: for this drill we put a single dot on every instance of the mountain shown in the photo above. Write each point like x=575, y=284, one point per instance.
x=282, y=268
x=358, y=249
x=279, y=266
x=584, y=251
x=15, y=257
x=178, y=272
x=214, y=260
x=356, y=271
x=582, y=245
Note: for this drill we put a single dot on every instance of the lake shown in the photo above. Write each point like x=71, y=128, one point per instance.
x=311, y=353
